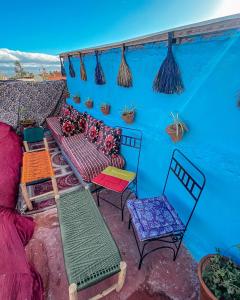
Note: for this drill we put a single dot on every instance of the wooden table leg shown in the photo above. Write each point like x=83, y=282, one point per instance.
x=26, y=197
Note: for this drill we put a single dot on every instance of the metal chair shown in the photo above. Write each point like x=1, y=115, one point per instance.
x=155, y=219
x=34, y=135
x=118, y=180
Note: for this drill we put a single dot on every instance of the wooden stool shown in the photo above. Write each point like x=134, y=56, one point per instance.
x=37, y=168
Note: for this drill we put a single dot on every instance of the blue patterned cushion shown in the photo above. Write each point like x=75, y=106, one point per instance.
x=154, y=217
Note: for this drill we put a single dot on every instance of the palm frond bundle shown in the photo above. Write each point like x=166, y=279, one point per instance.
x=99, y=75
x=124, y=74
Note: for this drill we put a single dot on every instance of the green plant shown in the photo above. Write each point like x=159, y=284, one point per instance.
x=222, y=277
x=104, y=105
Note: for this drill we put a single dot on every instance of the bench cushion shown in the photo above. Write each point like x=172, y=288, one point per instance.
x=154, y=217
x=55, y=128
x=86, y=158
x=90, y=253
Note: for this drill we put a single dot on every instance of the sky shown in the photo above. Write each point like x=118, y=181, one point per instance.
x=34, y=32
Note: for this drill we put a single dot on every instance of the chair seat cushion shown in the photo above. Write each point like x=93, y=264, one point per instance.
x=154, y=217
x=86, y=158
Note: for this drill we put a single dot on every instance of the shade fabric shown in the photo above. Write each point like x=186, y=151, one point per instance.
x=90, y=253
x=34, y=100
x=10, y=165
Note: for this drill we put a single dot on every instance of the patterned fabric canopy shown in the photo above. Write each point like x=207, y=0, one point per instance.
x=34, y=100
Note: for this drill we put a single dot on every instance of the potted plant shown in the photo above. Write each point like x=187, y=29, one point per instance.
x=219, y=277
x=77, y=98
x=128, y=114
x=66, y=94
x=105, y=108
x=89, y=103
x=177, y=129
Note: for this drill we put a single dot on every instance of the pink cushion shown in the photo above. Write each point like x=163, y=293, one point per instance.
x=11, y=160
x=55, y=128
x=86, y=158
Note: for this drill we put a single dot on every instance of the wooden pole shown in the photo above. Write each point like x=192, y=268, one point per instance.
x=25, y=196
x=121, y=276
x=73, y=291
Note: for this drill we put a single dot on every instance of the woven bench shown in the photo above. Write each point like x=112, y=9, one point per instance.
x=90, y=252
x=37, y=168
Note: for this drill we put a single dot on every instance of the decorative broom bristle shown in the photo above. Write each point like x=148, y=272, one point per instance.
x=168, y=79
x=82, y=69
x=63, y=72
x=71, y=69
x=99, y=75
x=124, y=75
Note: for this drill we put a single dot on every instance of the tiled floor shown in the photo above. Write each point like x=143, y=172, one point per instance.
x=159, y=278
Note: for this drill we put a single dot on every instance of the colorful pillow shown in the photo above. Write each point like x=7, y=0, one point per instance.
x=81, y=123
x=68, y=126
x=93, y=128
x=109, y=141
x=66, y=110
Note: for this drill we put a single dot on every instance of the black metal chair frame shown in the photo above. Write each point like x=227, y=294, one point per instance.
x=132, y=142
x=173, y=241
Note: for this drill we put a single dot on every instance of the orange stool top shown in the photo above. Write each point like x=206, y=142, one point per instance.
x=36, y=165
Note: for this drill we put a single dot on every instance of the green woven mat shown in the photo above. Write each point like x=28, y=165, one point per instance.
x=90, y=253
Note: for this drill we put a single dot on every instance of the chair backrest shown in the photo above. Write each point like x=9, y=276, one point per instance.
x=131, y=137
x=193, y=184
x=33, y=134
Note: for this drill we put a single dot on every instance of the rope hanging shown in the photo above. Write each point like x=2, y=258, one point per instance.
x=71, y=69
x=99, y=75
x=124, y=74
x=83, y=73
x=168, y=79
x=63, y=72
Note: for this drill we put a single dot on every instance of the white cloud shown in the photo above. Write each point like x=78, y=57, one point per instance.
x=29, y=60
x=227, y=7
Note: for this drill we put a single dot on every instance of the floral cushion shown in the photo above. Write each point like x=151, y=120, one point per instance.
x=68, y=126
x=81, y=122
x=109, y=140
x=93, y=128
x=154, y=217
x=66, y=110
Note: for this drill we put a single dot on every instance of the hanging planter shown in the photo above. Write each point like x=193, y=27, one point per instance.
x=177, y=129
x=77, y=99
x=168, y=79
x=71, y=69
x=105, y=108
x=128, y=115
x=124, y=75
x=63, y=72
x=83, y=73
x=89, y=103
x=99, y=75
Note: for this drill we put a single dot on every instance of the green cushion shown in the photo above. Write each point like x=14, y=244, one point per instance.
x=33, y=134
x=90, y=252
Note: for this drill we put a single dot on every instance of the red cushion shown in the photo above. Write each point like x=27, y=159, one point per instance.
x=110, y=182
x=109, y=140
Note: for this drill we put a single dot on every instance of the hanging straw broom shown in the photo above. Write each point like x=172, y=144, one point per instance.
x=71, y=69
x=63, y=72
x=124, y=75
x=168, y=79
x=99, y=75
x=82, y=68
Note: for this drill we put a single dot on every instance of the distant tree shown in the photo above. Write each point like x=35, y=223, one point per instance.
x=19, y=71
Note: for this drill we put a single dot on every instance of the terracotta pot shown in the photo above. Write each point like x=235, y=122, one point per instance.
x=205, y=293
x=67, y=95
x=172, y=131
x=76, y=99
x=105, y=109
x=129, y=117
x=89, y=104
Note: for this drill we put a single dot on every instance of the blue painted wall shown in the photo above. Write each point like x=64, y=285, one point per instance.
x=210, y=69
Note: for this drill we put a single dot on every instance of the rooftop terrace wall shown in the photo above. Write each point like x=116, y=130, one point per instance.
x=210, y=67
